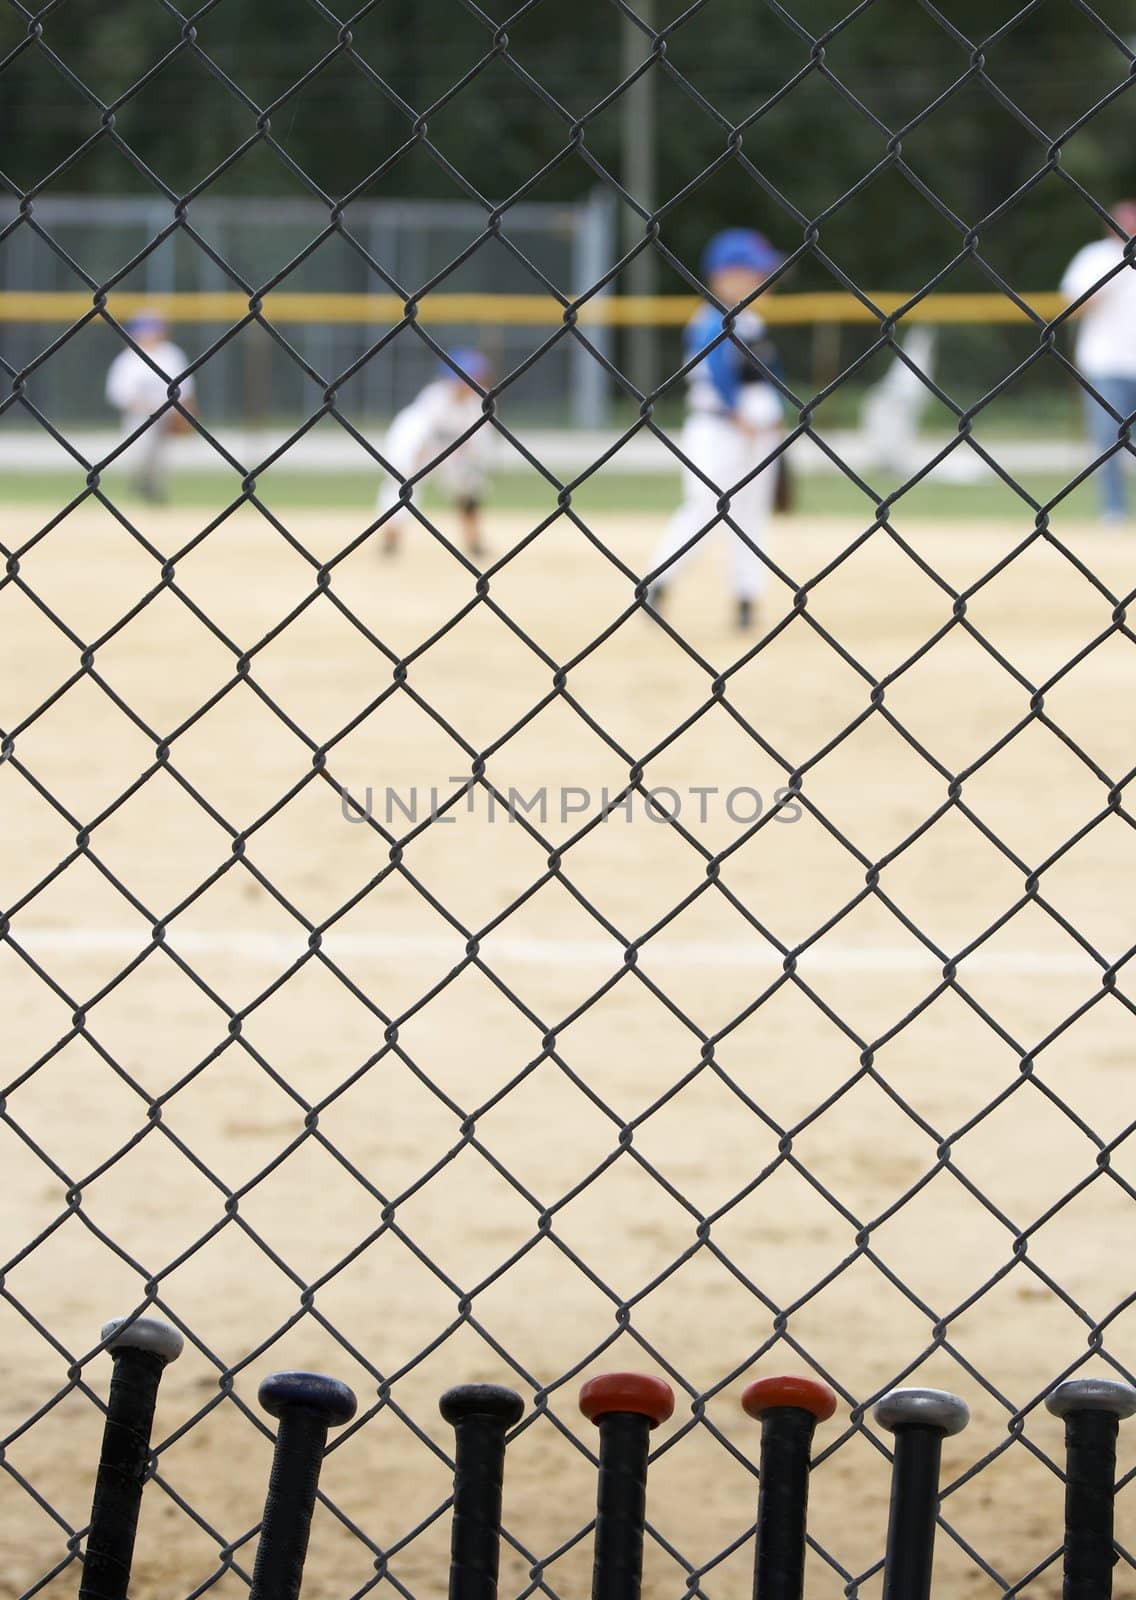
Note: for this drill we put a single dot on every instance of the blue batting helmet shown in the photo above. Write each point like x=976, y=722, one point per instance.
x=469, y=362
x=739, y=247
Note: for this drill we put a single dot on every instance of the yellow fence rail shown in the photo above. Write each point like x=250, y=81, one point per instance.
x=528, y=310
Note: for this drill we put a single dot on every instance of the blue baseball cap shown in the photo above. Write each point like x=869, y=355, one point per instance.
x=144, y=322
x=739, y=247
x=469, y=362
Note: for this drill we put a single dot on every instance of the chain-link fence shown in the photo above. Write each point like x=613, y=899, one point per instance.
x=442, y=942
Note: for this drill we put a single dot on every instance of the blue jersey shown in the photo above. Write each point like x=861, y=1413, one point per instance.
x=716, y=381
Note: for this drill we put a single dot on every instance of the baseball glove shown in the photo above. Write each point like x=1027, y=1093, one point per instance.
x=784, y=496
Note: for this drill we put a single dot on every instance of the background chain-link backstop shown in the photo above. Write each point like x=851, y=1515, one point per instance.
x=438, y=965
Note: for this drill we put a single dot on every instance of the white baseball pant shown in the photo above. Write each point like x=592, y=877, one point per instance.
x=147, y=459
x=725, y=453
x=408, y=448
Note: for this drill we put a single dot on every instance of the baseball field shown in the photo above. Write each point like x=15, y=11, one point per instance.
x=835, y=1085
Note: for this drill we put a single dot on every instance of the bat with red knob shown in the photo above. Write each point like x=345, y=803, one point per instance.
x=788, y=1409
x=625, y=1406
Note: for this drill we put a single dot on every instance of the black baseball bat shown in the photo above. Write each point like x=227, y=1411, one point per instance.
x=306, y=1405
x=141, y=1349
x=1092, y=1409
x=625, y=1406
x=479, y=1414
x=920, y=1419
x=788, y=1409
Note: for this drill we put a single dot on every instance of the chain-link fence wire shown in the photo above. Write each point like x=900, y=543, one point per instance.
x=78, y=1368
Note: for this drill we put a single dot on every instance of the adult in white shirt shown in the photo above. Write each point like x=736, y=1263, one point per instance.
x=419, y=441
x=1105, y=352
x=138, y=394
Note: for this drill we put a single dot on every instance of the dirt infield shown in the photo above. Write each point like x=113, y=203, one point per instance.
x=865, y=1230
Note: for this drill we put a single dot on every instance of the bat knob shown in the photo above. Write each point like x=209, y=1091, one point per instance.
x=143, y=1333
x=633, y=1392
x=489, y=1400
x=326, y=1398
x=937, y=1409
x=1092, y=1394
x=804, y=1394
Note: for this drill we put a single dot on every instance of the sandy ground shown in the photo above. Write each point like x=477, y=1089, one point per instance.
x=412, y=1160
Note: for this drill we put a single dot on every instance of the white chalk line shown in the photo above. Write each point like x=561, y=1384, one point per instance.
x=280, y=950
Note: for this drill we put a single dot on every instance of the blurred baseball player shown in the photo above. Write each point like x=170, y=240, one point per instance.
x=893, y=406
x=733, y=421
x=442, y=412
x=136, y=392
x=1106, y=348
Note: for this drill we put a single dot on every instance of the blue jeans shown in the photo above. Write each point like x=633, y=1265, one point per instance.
x=1120, y=394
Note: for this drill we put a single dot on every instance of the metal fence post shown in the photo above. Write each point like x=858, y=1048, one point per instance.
x=593, y=251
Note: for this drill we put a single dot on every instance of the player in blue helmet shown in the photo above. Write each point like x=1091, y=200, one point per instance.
x=138, y=394
x=733, y=421
x=422, y=431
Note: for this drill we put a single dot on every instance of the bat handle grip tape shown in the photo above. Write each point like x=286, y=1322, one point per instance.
x=288, y=1506
x=480, y=1414
x=913, y=1515
x=124, y=1462
x=786, y=1444
x=1090, y=1487
x=475, y=1541
x=621, y=1506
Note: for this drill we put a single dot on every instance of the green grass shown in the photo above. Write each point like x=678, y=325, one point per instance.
x=609, y=493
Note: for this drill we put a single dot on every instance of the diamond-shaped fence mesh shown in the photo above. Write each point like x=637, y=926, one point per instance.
x=443, y=941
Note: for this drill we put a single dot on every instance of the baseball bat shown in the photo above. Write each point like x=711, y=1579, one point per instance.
x=1092, y=1409
x=141, y=1350
x=479, y=1414
x=306, y=1405
x=920, y=1420
x=625, y=1406
x=788, y=1409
